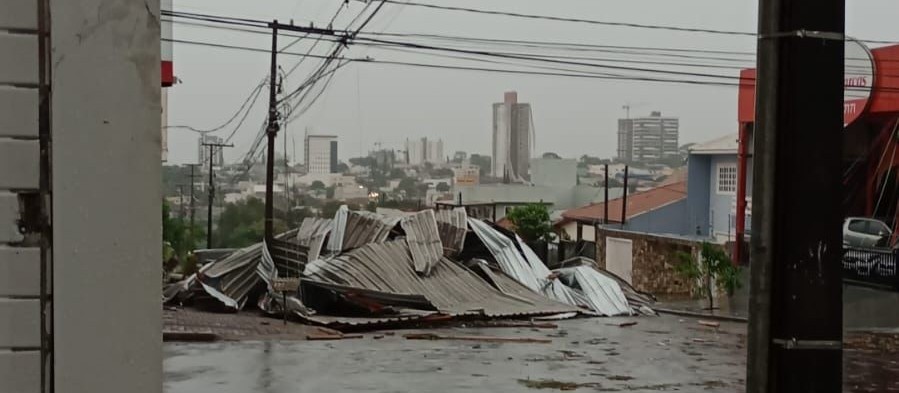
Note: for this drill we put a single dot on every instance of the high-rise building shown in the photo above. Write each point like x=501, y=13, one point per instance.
x=513, y=130
x=321, y=154
x=646, y=139
x=218, y=157
x=424, y=150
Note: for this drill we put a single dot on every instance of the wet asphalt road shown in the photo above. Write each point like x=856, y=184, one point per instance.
x=658, y=354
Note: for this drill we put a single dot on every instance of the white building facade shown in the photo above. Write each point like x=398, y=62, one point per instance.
x=321, y=154
x=513, y=134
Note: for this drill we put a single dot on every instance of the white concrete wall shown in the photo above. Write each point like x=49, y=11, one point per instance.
x=20, y=319
x=105, y=129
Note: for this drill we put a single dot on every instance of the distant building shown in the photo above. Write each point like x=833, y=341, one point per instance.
x=467, y=175
x=384, y=159
x=321, y=154
x=646, y=139
x=554, y=172
x=512, y=138
x=420, y=151
x=460, y=156
x=203, y=151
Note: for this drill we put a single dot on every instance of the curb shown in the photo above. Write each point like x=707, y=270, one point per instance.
x=686, y=313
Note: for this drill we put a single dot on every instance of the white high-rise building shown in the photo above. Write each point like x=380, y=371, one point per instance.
x=647, y=139
x=321, y=154
x=218, y=157
x=425, y=150
x=513, y=130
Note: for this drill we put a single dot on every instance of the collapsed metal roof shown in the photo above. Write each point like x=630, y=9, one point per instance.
x=450, y=288
x=312, y=234
x=352, y=229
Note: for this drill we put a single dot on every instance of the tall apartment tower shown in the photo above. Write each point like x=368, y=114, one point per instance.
x=512, y=138
x=646, y=139
x=424, y=150
x=218, y=157
x=320, y=153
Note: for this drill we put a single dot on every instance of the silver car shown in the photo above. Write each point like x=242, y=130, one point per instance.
x=866, y=233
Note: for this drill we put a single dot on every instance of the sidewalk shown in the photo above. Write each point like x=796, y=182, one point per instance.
x=182, y=324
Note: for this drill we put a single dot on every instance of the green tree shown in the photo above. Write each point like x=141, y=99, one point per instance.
x=482, y=162
x=397, y=173
x=242, y=224
x=176, y=236
x=407, y=185
x=714, y=269
x=531, y=222
x=443, y=187
x=442, y=173
x=329, y=209
x=317, y=185
x=369, y=162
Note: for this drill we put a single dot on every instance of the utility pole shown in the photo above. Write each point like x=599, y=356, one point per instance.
x=273, y=125
x=624, y=200
x=795, y=309
x=181, y=202
x=605, y=212
x=211, y=190
x=272, y=132
x=192, y=209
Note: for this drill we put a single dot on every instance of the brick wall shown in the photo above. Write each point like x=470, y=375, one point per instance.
x=654, y=260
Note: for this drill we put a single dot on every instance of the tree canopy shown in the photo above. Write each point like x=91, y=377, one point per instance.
x=531, y=222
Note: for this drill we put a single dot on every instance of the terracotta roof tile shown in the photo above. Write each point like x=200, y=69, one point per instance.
x=637, y=203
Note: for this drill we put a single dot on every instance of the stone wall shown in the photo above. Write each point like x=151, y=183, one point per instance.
x=654, y=260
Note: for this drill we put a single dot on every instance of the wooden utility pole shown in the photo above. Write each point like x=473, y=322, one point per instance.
x=605, y=212
x=795, y=309
x=211, y=190
x=192, y=200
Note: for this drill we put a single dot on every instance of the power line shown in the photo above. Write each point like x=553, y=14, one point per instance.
x=595, y=22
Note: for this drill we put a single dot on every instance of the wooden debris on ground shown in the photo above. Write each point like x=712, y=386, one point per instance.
x=434, y=336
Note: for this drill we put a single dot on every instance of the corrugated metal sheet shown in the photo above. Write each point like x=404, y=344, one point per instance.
x=452, y=226
x=602, y=293
x=423, y=240
x=527, y=268
x=451, y=288
x=312, y=234
x=353, y=229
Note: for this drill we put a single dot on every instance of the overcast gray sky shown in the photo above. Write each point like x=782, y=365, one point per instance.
x=368, y=103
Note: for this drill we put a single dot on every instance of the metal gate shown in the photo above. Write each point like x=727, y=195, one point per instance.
x=620, y=257
x=25, y=275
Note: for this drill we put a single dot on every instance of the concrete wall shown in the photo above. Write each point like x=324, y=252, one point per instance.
x=105, y=129
x=654, y=260
x=20, y=255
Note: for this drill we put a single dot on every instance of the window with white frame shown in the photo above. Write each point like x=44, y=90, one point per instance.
x=727, y=179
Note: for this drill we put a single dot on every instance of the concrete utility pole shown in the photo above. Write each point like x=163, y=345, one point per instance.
x=624, y=199
x=192, y=204
x=795, y=326
x=272, y=132
x=605, y=211
x=211, y=190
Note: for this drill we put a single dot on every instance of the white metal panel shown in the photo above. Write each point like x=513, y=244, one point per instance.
x=19, y=14
x=620, y=257
x=20, y=371
x=18, y=112
x=19, y=59
x=20, y=323
x=20, y=271
x=19, y=164
x=9, y=217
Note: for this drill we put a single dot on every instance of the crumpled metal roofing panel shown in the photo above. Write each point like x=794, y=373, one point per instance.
x=353, y=229
x=423, y=240
x=452, y=226
x=312, y=234
x=603, y=294
x=451, y=288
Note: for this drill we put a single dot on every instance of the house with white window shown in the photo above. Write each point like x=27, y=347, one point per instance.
x=712, y=188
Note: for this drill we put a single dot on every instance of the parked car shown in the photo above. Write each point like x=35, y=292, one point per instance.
x=866, y=233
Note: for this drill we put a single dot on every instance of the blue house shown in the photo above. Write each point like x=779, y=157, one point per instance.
x=712, y=188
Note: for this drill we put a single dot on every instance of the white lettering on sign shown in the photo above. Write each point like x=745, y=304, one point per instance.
x=859, y=81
